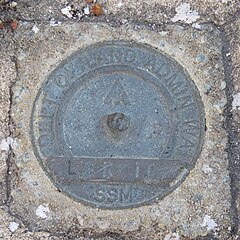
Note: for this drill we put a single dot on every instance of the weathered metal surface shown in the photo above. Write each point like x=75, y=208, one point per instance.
x=118, y=125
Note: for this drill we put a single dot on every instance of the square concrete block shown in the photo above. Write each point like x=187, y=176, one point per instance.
x=197, y=206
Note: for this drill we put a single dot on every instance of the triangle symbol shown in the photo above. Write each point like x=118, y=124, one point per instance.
x=117, y=95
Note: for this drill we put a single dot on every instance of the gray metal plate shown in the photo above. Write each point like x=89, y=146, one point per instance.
x=117, y=125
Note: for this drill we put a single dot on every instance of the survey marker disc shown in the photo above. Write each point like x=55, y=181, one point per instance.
x=117, y=125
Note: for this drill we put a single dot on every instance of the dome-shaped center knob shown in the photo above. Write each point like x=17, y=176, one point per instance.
x=117, y=122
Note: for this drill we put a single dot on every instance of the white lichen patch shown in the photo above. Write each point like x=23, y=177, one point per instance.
x=172, y=236
x=120, y=4
x=236, y=101
x=185, y=14
x=196, y=25
x=42, y=211
x=54, y=23
x=35, y=29
x=206, y=169
x=86, y=10
x=67, y=11
x=13, y=226
x=6, y=144
x=209, y=223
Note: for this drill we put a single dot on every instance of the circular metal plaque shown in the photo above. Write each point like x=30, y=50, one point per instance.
x=117, y=125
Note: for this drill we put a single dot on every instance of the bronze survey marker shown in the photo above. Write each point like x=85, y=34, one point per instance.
x=118, y=125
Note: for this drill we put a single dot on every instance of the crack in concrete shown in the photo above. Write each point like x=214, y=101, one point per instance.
x=11, y=128
x=232, y=136
x=11, y=168
x=11, y=133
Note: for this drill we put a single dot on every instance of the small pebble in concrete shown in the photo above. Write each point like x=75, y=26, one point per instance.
x=201, y=58
x=209, y=223
x=207, y=88
x=13, y=226
x=162, y=44
x=14, y=24
x=220, y=106
x=80, y=220
x=97, y=9
x=1, y=24
x=132, y=225
x=13, y=5
x=102, y=224
x=223, y=85
x=42, y=211
x=198, y=197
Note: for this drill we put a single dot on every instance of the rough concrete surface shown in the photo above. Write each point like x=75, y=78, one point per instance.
x=202, y=36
